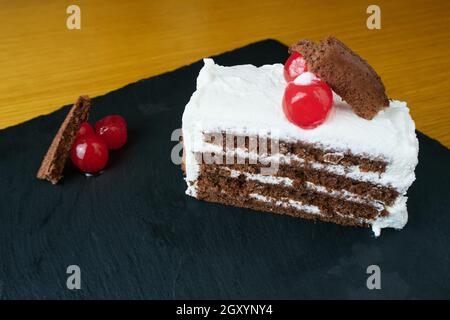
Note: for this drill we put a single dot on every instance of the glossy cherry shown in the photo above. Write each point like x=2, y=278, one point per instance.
x=89, y=153
x=113, y=130
x=85, y=130
x=307, y=101
x=295, y=65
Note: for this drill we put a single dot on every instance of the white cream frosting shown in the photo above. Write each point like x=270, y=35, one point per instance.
x=305, y=78
x=287, y=203
x=246, y=100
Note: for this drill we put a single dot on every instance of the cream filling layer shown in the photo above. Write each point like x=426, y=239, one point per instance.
x=286, y=203
x=352, y=172
x=346, y=195
x=289, y=203
x=397, y=219
x=288, y=182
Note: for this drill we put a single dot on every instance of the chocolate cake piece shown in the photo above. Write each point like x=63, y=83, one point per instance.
x=53, y=164
x=348, y=170
x=350, y=76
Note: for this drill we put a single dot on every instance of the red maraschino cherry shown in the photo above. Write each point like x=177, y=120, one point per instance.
x=85, y=130
x=89, y=153
x=307, y=101
x=113, y=130
x=295, y=65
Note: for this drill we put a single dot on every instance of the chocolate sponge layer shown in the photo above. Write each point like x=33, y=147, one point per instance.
x=215, y=183
x=306, y=151
x=236, y=193
x=270, y=207
x=300, y=174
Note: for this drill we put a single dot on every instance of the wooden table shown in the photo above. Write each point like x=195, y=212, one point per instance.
x=44, y=65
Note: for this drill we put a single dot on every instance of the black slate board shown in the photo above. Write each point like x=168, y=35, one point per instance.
x=135, y=234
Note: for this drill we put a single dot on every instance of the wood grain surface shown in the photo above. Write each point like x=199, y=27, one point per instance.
x=44, y=65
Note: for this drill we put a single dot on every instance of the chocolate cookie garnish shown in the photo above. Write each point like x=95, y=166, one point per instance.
x=350, y=76
x=54, y=161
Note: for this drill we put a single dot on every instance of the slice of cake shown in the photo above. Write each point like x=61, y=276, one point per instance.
x=327, y=144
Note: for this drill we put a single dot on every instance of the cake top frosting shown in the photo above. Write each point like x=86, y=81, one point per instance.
x=346, y=73
x=246, y=99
